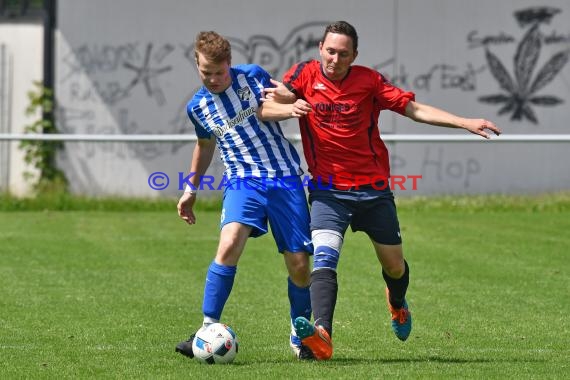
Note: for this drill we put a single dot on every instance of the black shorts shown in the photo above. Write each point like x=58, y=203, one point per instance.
x=369, y=210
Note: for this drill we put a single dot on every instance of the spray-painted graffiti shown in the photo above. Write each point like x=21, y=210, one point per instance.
x=521, y=89
x=444, y=169
x=275, y=57
x=90, y=59
x=148, y=75
x=96, y=77
x=441, y=76
x=301, y=43
x=109, y=67
x=437, y=166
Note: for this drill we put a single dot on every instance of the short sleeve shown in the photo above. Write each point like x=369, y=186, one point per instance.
x=201, y=132
x=294, y=78
x=391, y=97
x=262, y=76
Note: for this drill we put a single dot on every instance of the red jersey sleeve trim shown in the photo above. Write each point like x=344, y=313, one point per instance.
x=292, y=75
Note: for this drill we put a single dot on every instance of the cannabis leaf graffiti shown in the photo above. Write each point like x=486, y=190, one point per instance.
x=521, y=90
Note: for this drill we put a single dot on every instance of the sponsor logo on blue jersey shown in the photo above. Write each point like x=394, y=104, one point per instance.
x=231, y=123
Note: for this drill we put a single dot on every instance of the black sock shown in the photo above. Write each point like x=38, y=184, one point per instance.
x=398, y=287
x=324, y=288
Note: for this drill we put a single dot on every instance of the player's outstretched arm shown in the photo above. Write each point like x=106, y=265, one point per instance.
x=424, y=113
x=273, y=111
x=201, y=159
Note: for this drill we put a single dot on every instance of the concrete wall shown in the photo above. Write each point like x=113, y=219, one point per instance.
x=21, y=64
x=127, y=67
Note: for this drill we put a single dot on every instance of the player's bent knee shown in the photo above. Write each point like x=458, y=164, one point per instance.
x=296, y=259
x=328, y=244
x=395, y=269
x=229, y=254
x=299, y=267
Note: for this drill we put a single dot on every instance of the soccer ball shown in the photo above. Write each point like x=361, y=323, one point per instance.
x=215, y=344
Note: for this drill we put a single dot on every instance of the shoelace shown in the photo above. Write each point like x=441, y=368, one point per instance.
x=401, y=315
x=323, y=336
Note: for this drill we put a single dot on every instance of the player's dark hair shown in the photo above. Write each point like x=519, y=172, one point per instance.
x=342, y=27
x=213, y=46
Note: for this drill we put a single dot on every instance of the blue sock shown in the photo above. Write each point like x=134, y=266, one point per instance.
x=219, y=283
x=300, y=300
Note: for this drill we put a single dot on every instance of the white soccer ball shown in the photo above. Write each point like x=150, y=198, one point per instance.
x=215, y=344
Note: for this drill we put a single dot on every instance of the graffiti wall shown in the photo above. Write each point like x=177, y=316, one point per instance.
x=127, y=68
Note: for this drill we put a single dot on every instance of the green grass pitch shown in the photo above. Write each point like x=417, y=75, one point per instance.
x=108, y=294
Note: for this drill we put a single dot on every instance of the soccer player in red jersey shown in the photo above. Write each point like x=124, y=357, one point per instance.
x=350, y=170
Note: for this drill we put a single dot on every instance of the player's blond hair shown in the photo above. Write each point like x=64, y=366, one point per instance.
x=213, y=46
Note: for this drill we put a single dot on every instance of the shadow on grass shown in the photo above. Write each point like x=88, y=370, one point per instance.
x=435, y=359
x=347, y=361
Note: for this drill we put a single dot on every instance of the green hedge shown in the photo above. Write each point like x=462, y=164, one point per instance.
x=67, y=202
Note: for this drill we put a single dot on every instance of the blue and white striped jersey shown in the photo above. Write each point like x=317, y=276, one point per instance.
x=248, y=146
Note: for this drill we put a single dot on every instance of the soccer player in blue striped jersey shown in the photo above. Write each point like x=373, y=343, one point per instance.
x=262, y=181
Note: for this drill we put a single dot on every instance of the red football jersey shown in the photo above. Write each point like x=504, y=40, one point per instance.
x=341, y=138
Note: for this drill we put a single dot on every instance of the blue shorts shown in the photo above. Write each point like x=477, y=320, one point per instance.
x=369, y=210
x=253, y=202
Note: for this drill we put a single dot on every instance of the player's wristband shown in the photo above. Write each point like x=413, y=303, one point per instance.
x=190, y=189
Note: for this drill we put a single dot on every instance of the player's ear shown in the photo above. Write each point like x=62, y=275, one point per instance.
x=355, y=55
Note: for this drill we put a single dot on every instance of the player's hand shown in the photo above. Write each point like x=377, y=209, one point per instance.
x=480, y=126
x=185, y=205
x=280, y=93
x=300, y=108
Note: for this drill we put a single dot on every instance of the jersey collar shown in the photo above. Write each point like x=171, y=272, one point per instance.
x=334, y=81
